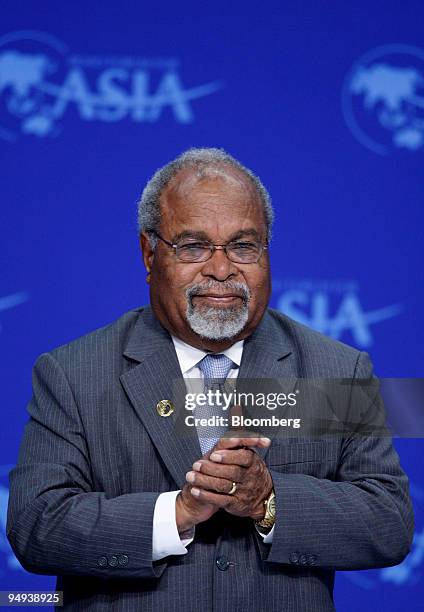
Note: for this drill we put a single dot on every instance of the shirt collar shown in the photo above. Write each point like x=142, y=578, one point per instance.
x=189, y=356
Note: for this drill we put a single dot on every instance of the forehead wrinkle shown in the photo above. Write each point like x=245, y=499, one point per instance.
x=182, y=189
x=189, y=178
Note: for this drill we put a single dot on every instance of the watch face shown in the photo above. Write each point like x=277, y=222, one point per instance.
x=272, y=507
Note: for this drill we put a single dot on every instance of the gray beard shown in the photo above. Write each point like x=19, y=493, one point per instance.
x=217, y=323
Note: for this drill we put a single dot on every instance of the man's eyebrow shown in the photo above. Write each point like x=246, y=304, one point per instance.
x=193, y=234
x=246, y=232
x=200, y=235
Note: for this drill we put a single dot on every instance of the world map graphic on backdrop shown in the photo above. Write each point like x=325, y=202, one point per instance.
x=40, y=81
x=383, y=99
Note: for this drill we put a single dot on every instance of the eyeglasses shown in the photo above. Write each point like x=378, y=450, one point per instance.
x=239, y=251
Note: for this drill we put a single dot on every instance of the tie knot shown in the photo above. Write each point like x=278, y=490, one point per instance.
x=215, y=366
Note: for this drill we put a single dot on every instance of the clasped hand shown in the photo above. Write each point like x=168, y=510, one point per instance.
x=232, y=460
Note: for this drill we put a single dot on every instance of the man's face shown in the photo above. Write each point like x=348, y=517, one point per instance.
x=214, y=303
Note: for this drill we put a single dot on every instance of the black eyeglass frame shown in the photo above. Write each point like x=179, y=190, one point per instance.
x=212, y=249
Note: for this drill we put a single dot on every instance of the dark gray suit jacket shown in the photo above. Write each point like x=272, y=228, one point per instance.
x=96, y=455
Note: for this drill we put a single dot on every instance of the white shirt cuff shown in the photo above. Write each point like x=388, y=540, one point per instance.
x=165, y=538
x=268, y=537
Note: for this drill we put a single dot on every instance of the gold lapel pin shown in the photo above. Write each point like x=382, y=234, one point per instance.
x=165, y=408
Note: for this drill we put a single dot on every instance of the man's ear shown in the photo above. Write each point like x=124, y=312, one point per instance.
x=147, y=251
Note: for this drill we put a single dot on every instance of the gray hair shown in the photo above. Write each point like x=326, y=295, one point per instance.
x=201, y=160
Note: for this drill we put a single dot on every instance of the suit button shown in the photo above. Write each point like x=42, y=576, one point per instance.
x=102, y=561
x=303, y=560
x=113, y=561
x=122, y=559
x=294, y=557
x=222, y=563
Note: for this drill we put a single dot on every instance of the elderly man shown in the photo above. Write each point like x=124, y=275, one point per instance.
x=133, y=515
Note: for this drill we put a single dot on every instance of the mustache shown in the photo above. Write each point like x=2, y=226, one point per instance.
x=219, y=288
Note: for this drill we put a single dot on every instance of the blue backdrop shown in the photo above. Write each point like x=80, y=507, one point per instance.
x=324, y=100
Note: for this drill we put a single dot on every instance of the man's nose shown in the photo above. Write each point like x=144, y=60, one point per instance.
x=219, y=266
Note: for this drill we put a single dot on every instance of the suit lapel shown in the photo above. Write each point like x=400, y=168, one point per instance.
x=156, y=377
x=268, y=354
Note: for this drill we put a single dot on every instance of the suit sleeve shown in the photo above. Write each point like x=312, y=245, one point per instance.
x=363, y=519
x=57, y=523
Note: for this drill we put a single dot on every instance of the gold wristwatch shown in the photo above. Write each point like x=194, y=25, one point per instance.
x=270, y=510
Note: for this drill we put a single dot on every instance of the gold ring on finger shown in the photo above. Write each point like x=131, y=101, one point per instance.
x=233, y=489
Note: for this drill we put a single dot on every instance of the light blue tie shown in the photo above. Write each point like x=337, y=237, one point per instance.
x=215, y=369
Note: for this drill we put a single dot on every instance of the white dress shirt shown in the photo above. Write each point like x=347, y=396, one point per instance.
x=166, y=540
